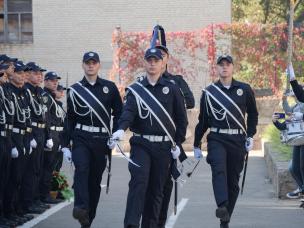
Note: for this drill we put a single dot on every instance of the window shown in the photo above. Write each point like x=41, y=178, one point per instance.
x=16, y=23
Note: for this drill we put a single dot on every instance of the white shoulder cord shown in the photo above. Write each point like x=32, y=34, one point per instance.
x=18, y=109
x=57, y=111
x=140, y=107
x=220, y=112
x=214, y=111
x=35, y=104
x=9, y=105
x=73, y=99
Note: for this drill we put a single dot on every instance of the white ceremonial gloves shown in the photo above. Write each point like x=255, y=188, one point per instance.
x=297, y=116
x=175, y=152
x=33, y=143
x=118, y=135
x=290, y=72
x=14, y=153
x=198, y=155
x=67, y=154
x=111, y=144
x=49, y=143
x=249, y=144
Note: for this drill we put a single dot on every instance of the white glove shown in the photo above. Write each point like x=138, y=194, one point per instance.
x=198, y=155
x=49, y=143
x=175, y=152
x=118, y=135
x=249, y=144
x=297, y=116
x=290, y=72
x=111, y=144
x=31, y=150
x=14, y=153
x=67, y=154
x=33, y=143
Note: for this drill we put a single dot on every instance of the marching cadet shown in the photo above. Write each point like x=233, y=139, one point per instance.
x=154, y=111
x=90, y=105
x=18, y=152
x=223, y=107
x=189, y=103
x=52, y=142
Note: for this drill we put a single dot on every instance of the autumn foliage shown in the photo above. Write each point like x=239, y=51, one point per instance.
x=259, y=51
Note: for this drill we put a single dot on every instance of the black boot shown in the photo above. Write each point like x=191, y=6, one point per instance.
x=82, y=216
x=224, y=225
x=222, y=213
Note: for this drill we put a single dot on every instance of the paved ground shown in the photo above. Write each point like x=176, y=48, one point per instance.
x=256, y=208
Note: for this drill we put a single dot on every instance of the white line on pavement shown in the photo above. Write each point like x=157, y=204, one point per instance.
x=46, y=214
x=172, y=219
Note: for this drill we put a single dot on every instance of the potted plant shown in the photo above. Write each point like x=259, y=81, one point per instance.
x=60, y=185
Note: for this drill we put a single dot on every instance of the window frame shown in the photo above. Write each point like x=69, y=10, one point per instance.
x=6, y=25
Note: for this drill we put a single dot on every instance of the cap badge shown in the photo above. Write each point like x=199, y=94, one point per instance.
x=153, y=50
x=165, y=90
x=105, y=89
x=91, y=54
x=54, y=73
x=239, y=92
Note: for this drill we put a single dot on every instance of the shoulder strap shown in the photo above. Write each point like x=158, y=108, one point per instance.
x=155, y=108
x=93, y=103
x=225, y=102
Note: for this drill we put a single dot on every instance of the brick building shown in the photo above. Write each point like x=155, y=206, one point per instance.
x=56, y=33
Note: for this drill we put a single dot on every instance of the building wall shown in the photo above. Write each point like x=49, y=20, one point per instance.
x=65, y=29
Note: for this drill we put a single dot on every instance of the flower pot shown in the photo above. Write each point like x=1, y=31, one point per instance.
x=53, y=194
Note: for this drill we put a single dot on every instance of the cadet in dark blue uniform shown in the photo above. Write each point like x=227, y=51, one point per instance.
x=6, y=125
x=19, y=153
x=59, y=94
x=90, y=105
x=189, y=103
x=222, y=109
x=152, y=145
x=52, y=141
x=37, y=104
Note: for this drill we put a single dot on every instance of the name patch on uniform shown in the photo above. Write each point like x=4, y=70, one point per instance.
x=166, y=90
x=239, y=92
x=105, y=89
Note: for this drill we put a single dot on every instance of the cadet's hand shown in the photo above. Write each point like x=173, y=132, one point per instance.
x=118, y=135
x=49, y=143
x=198, y=155
x=297, y=116
x=67, y=154
x=33, y=143
x=14, y=153
x=111, y=144
x=249, y=144
x=175, y=152
x=290, y=72
x=275, y=117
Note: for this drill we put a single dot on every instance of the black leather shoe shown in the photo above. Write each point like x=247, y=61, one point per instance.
x=50, y=200
x=34, y=210
x=6, y=222
x=28, y=217
x=224, y=225
x=82, y=216
x=222, y=213
x=16, y=219
x=38, y=203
